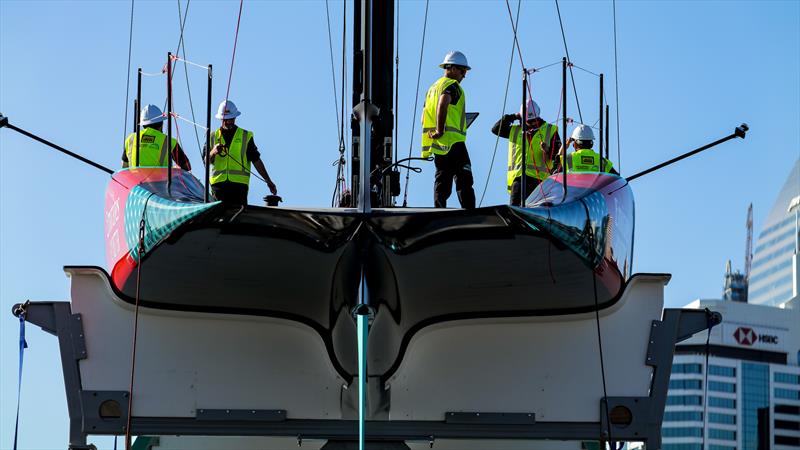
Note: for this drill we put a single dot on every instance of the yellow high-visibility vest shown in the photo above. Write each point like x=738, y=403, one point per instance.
x=233, y=166
x=455, y=127
x=535, y=164
x=586, y=160
x=152, y=148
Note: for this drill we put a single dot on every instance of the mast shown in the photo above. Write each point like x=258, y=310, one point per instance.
x=373, y=33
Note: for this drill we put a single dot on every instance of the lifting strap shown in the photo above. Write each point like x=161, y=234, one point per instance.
x=22, y=346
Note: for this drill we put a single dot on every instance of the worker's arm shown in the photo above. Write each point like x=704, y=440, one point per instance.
x=441, y=116
x=502, y=127
x=259, y=165
x=181, y=159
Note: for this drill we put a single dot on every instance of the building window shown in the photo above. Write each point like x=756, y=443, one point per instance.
x=683, y=416
x=718, y=402
x=722, y=418
x=787, y=440
x=682, y=432
x=790, y=394
x=721, y=447
x=726, y=435
x=685, y=384
x=681, y=447
x=787, y=425
x=755, y=395
x=788, y=378
x=684, y=400
x=787, y=409
x=687, y=368
x=722, y=371
x=721, y=386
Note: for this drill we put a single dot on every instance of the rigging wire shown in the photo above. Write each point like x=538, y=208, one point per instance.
x=128, y=82
x=396, y=78
x=505, y=100
x=182, y=46
x=233, y=56
x=333, y=72
x=569, y=60
x=416, y=100
x=616, y=86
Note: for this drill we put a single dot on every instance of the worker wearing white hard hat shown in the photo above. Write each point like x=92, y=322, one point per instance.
x=541, y=140
x=233, y=151
x=444, y=133
x=152, y=145
x=584, y=159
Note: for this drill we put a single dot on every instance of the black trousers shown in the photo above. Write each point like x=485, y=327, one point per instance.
x=455, y=165
x=230, y=192
x=516, y=189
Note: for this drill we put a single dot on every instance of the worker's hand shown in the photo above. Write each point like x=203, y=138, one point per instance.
x=436, y=134
x=272, y=188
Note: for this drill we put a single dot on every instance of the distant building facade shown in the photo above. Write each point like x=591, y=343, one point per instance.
x=745, y=395
x=771, y=278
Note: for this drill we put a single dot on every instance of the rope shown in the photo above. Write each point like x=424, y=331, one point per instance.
x=505, y=100
x=416, y=100
x=128, y=82
x=616, y=86
x=599, y=334
x=197, y=125
x=569, y=60
x=22, y=346
x=142, y=224
x=178, y=58
x=705, y=378
x=233, y=56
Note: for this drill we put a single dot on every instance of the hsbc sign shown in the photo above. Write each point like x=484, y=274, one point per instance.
x=749, y=337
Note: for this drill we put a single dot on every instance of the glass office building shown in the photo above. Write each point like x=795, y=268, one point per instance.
x=747, y=395
x=772, y=271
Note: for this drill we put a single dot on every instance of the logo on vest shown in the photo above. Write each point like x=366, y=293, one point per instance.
x=587, y=160
x=146, y=139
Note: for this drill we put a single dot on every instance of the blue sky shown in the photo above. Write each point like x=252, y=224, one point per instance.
x=689, y=72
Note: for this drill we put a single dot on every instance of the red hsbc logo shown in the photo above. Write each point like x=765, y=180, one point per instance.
x=747, y=336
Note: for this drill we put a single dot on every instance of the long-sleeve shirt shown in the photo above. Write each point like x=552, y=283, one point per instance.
x=502, y=128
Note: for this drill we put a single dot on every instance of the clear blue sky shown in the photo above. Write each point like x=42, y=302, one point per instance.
x=689, y=72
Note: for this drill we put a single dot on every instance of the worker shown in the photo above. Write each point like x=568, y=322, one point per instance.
x=542, y=140
x=233, y=150
x=444, y=133
x=152, y=143
x=584, y=159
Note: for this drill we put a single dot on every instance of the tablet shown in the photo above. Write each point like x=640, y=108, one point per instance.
x=471, y=116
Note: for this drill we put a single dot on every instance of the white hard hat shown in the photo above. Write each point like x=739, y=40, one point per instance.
x=150, y=114
x=532, y=110
x=227, y=110
x=582, y=133
x=455, y=58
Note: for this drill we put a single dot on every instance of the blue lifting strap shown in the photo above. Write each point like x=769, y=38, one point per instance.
x=22, y=346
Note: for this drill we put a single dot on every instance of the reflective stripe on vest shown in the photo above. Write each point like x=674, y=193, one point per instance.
x=586, y=160
x=234, y=166
x=535, y=164
x=455, y=129
x=152, y=147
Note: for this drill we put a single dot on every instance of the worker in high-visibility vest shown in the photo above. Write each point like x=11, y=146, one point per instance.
x=541, y=140
x=152, y=151
x=584, y=159
x=232, y=152
x=444, y=132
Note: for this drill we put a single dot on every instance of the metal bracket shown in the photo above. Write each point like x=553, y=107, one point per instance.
x=491, y=418
x=104, y=412
x=261, y=415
